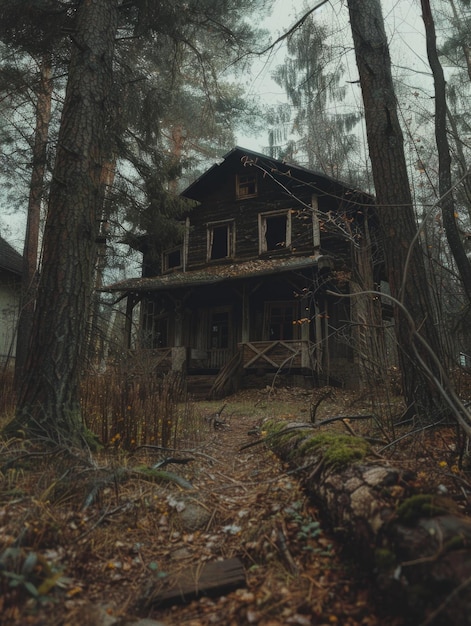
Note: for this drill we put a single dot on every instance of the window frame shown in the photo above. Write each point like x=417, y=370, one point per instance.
x=166, y=267
x=244, y=181
x=262, y=230
x=152, y=319
x=230, y=239
x=284, y=305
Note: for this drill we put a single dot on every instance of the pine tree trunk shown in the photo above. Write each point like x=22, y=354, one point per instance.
x=445, y=187
x=49, y=400
x=36, y=193
x=405, y=261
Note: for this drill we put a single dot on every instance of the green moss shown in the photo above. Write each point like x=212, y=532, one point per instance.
x=455, y=543
x=423, y=505
x=280, y=434
x=337, y=450
x=385, y=559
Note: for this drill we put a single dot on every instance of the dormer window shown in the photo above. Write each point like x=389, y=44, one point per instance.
x=172, y=259
x=221, y=240
x=274, y=230
x=246, y=186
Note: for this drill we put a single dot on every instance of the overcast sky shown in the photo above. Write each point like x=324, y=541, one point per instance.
x=404, y=28
x=407, y=44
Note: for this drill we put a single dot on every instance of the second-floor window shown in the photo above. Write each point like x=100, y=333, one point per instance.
x=172, y=259
x=274, y=230
x=221, y=240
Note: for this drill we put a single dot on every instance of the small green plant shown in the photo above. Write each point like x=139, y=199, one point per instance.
x=28, y=572
x=308, y=528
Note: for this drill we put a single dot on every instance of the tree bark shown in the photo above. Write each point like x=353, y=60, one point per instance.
x=49, y=400
x=445, y=186
x=416, y=546
x=405, y=261
x=36, y=194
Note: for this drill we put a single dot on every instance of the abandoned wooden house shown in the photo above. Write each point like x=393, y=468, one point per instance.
x=254, y=293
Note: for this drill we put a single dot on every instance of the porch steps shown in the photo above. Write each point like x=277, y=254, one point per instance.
x=199, y=386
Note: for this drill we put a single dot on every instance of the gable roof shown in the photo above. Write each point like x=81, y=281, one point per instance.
x=10, y=259
x=289, y=174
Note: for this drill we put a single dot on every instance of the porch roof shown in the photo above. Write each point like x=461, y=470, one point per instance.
x=214, y=274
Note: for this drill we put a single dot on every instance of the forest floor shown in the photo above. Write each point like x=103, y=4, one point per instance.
x=97, y=549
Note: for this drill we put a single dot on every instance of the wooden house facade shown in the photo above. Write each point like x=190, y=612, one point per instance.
x=255, y=290
x=11, y=264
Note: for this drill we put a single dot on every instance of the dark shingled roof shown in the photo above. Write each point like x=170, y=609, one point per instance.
x=216, y=274
x=10, y=259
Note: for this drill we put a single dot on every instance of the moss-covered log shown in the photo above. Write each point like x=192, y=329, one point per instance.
x=417, y=546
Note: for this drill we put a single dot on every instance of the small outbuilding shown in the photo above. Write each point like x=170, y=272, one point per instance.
x=11, y=264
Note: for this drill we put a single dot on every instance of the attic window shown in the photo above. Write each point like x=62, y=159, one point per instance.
x=246, y=186
x=221, y=240
x=172, y=259
x=274, y=230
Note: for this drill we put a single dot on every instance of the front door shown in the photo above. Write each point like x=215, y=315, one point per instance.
x=220, y=337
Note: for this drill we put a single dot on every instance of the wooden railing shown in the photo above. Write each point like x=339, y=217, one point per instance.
x=278, y=354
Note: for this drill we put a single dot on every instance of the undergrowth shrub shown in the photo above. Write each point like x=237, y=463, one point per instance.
x=7, y=395
x=130, y=405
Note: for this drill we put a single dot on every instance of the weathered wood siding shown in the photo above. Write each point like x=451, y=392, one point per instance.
x=222, y=204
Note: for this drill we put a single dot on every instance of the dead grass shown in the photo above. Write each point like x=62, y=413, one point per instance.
x=74, y=558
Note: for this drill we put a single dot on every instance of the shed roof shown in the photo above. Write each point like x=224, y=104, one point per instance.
x=214, y=274
x=10, y=259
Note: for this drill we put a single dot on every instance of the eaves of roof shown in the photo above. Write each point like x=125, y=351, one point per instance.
x=198, y=189
x=10, y=259
x=214, y=274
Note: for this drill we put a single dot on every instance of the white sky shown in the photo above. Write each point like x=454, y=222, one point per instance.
x=407, y=44
x=404, y=28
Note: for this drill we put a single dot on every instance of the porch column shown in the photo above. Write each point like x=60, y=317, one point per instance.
x=245, y=334
x=130, y=304
x=178, y=350
x=178, y=323
x=305, y=328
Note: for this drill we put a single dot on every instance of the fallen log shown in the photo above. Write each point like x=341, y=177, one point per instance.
x=416, y=546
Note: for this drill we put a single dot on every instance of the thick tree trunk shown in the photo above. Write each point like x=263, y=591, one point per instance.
x=404, y=259
x=49, y=404
x=416, y=546
x=445, y=186
x=36, y=194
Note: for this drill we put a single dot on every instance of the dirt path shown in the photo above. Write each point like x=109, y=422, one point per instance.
x=136, y=538
x=246, y=506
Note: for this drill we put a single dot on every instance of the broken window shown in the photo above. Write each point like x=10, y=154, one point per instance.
x=220, y=240
x=246, y=186
x=274, y=230
x=172, y=259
